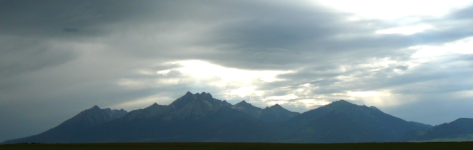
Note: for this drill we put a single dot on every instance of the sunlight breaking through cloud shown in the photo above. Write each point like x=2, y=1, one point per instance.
x=463, y=46
x=202, y=69
x=409, y=30
x=392, y=10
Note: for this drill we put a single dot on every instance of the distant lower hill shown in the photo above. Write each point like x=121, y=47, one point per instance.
x=458, y=130
x=201, y=118
x=341, y=122
x=66, y=131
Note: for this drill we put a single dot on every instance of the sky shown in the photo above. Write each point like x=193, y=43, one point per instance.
x=410, y=59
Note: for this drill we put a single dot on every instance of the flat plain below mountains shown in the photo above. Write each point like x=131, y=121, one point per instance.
x=245, y=146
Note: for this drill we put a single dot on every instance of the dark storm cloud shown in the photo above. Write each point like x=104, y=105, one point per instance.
x=70, y=29
x=49, y=18
x=22, y=55
x=274, y=31
x=281, y=35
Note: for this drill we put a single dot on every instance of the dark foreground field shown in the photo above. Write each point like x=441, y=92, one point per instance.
x=272, y=146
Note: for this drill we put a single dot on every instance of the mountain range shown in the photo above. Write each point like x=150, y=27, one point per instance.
x=201, y=118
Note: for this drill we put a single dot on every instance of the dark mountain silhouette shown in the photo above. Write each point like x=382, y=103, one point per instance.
x=81, y=122
x=201, y=118
x=275, y=113
x=336, y=127
x=247, y=108
x=421, y=125
x=181, y=120
x=240, y=130
x=379, y=126
x=458, y=130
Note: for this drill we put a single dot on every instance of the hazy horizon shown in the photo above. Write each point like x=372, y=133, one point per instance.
x=410, y=59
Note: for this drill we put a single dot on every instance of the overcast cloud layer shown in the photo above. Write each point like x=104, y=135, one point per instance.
x=58, y=58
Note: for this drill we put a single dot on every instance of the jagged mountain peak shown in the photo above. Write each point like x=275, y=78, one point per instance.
x=95, y=107
x=346, y=106
x=243, y=103
x=182, y=101
x=375, y=108
x=189, y=105
x=276, y=113
x=203, y=95
x=188, y=93
x=97, y=111
x=276, y=106
x=341, y=102
x=153, y=110
x=154, y=105
x=343, y=105
x=247, y=108
x=196, y=106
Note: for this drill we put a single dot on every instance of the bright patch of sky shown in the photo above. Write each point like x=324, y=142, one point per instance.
x=237, y=82
x=392, y=10
x=407, y=30
x=406, y=13
x=202, y=72
x=463, y=46
x=202, y=69
x=143, y=102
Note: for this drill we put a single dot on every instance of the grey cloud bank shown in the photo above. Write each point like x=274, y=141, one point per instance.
x=58, y=58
